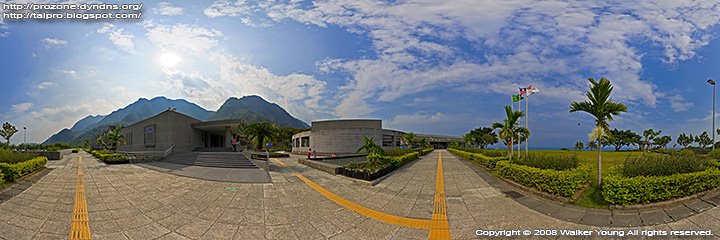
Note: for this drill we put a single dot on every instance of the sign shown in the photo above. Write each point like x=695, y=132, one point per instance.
x=268, y=144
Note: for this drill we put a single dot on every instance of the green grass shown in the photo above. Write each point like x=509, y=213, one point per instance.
x=592, y=198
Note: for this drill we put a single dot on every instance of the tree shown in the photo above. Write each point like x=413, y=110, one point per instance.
x=703, y=140
x=663, y=141
x=621, y=138
x=424, y=143
x=685, y=140
x=409, y=139
x=85, y=143
x=369, y=146
x=259, y=132
x=469, y=139
x=101, y=140
x=484, y=136
x=600, y=106
x=283, y=137
x=579, y=145
x=8, y=130
x=114, y=138
x=592, y=145
x=649, y=138
x=509, y=128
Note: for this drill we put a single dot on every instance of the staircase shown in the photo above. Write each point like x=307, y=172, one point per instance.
x=211, y=159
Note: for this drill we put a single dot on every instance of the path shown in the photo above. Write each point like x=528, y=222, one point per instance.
x=132, y=202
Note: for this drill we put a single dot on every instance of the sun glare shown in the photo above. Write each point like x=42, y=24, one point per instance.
x=169, y=59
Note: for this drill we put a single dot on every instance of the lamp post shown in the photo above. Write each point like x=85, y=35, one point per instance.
x=712, y=82
x=25, y=137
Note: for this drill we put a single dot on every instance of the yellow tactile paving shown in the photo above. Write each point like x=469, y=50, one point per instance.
x=439, y=226
x=377, y=215
x=80, y=228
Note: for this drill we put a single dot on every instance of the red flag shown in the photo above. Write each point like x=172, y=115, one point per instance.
x=522, y=91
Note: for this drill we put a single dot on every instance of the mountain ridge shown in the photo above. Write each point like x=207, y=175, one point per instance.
x=251, y=109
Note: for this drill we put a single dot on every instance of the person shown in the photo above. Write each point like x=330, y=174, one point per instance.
x=309, y=152
x=314, y=154
x=234, y=143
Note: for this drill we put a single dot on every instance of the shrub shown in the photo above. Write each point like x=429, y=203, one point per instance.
x=426, y=151
x=618, y=189
x=559, y=163
x=8, y=156
x=16, y=170
x=377, y=162
x=397, y=152
x=109, y=157
x=486, y=152
x=662, y=165
x=366, y=167
x=562, y=183
x=686, y=152
x=714, y=154
x=2, y=179
x=488, y=162
x=279, y=155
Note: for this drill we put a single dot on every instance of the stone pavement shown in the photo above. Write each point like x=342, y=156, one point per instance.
x=132, y=202
x=238, y=175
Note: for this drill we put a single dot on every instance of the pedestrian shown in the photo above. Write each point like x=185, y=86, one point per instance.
x=234, y=143
x=309, y=152
x=314, y=154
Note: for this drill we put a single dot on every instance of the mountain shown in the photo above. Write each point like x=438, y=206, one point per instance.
x=249, y=108
x=86, y=122
x=256, y=109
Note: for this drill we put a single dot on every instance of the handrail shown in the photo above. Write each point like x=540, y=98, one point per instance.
x=169, y=150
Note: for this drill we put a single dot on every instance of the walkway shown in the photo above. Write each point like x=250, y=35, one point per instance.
x=132, y=202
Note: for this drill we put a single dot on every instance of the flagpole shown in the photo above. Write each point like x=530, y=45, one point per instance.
x=527, y=141
x=511, y=136
x=518, y=134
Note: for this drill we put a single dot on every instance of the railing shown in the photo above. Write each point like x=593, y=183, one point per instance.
x=141, y=156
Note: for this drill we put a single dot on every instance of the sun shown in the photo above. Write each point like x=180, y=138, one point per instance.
x=168, y=59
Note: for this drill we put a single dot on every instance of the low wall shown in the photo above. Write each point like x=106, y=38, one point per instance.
x=53, y=155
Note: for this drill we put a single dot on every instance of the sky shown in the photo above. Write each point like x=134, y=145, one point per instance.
x=439, y=67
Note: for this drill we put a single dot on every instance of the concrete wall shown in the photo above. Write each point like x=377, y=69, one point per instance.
x=343, y=136
x=170, y=128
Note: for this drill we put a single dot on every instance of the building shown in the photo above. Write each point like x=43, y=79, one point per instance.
x=186, y=133
x=346, y=136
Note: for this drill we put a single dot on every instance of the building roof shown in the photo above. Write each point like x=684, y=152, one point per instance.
x=169, y=111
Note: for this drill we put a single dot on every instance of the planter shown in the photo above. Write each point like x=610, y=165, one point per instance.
x=364, y=175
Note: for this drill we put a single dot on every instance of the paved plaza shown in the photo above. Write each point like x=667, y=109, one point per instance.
x=134, y=202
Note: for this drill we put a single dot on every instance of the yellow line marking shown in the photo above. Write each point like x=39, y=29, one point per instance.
x=80, y=228
x=367, y=212
x=439, y=226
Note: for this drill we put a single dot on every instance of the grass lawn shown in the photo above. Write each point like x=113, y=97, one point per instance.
x=592, y=197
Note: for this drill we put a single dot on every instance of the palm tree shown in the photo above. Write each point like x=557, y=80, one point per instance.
x=424, y=143
x=509, y=127
x=600, y=106
x=469, y=139
x=409, y=138
x=259, y=131
x=114, y=138
x=101, y=140
x=369, y=146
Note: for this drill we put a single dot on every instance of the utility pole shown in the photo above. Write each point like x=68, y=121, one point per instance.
x=712, y=82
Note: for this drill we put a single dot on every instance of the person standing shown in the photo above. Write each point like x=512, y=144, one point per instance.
x=309, y=152
x=234, y=143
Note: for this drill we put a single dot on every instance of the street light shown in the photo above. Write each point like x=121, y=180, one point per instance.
x=25, y=137
x=712, y=82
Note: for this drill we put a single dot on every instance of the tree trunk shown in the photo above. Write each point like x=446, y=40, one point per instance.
x=599, y=145
x=511, y=148
x=261, y=139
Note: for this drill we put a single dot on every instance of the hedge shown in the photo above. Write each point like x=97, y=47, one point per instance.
x=563, y=183
x=620, y=190
x=488, y=162
x=110, y=158
x=426, y=151
x=16, y=170
x=2, y=179
x=376, y=162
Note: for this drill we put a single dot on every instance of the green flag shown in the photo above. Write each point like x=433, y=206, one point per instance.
x=516, y=98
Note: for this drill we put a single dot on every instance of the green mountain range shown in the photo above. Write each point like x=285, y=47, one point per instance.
x=249, y=108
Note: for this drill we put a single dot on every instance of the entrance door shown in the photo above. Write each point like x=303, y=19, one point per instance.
x=217, y=140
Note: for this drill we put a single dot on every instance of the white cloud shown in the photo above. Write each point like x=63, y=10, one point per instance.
x=69, y=73
x=21, y=107
x=116, y=36
x=521, y=39
x=165, y=8
x=183, y=37
x=44, y=85
x=54, y=42
x=678, y=103
x=226, y=8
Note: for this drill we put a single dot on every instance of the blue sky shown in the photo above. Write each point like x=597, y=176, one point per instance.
x=441, y=67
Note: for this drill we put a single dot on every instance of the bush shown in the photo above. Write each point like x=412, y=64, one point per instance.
x=109, y=157
x=279, y=155
x=559, y=163
x=377, y=162
x=486, y=152
x=16, y=170
x=565, y=183
x=488, y=162
x=714, y=154
x=687, y=152
x=2, y=179
x=662, y=165
x=426, y=151
x=397, y=152
x=618, y=189
x=8, y=156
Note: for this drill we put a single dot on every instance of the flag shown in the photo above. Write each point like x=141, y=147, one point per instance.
x=516, y=98
x=529, y=87
x=534, y=90
x=522, y=91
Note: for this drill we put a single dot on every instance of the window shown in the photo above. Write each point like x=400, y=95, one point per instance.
x=305, y=141
x=150, y=136
x=128, y=139
x=387, y=140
